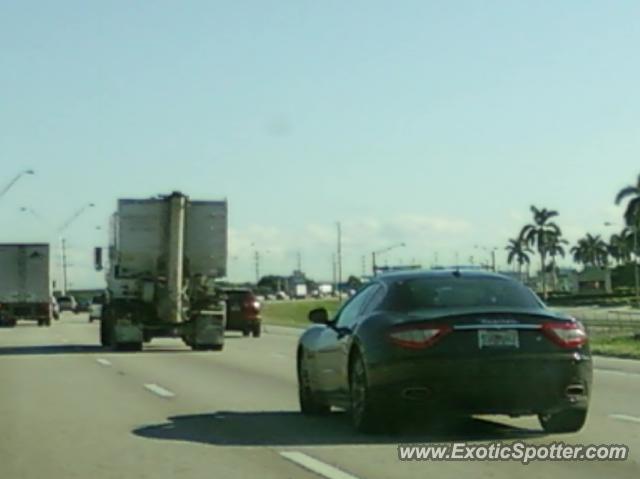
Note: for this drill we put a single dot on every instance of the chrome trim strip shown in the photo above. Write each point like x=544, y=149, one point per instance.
x=496, y=326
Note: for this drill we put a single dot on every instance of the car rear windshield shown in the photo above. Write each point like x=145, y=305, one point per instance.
x=460, y=292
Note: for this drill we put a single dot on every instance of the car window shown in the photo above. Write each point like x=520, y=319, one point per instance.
x=431, y=293
x=377, y=295
x=350, y=312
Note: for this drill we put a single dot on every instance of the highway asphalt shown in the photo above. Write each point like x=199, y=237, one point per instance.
x=69, y=409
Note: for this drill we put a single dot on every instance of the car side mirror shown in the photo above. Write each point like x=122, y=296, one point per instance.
x=319, y=316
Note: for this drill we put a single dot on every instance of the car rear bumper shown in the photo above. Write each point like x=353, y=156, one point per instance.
x=240, y=324
x=506, y=386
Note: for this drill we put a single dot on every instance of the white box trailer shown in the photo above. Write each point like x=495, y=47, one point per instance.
x=165, y=253
x=25, y=284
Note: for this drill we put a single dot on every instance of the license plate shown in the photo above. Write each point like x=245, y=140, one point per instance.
x=498, y=338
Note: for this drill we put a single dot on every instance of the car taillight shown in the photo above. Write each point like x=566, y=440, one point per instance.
x=569, y=335
x=418, y=336
x=251, y=304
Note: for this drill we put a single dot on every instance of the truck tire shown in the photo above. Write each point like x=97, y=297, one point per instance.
x=40, y=323
x=104, y=333
x=47, y=322
x=246, y=332
x=256, y=330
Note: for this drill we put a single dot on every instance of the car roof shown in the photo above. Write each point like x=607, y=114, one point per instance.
x=395, y=276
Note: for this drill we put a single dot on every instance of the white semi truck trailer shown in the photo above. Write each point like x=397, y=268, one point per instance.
x=164, y=256
x=25, y=285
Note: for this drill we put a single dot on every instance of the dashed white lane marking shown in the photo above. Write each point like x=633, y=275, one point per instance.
x=103, y=362
x=625, y=417
x=314, y=465
x=159, y=390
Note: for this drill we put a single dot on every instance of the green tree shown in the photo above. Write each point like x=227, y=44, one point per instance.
x=541, y=235
x=518, y=251
x=620, y=246
x=632, y=210
x=591, y=251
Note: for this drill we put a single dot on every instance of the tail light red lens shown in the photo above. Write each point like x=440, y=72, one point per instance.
x=566, y=334
x=251, y=304
x=418, y=336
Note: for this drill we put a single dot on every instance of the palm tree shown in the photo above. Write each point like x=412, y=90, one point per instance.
x=620, y=246
x=632, y=211
x=518, y=251
x=541, y=234
x=632, y=218
x=555, y=248
x=591, y=251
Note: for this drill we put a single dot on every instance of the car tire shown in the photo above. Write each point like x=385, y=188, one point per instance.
x=568, y=420
x=246, y=332
x=366, y=414
x=256, y=330
x=309, y=403
x=105, y=333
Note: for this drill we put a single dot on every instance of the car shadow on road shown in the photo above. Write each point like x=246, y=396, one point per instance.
x=54, y=349
x=288, y=428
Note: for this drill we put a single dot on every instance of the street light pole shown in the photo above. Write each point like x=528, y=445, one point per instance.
x=385, y=250
x=14, y=181
x=63, y=242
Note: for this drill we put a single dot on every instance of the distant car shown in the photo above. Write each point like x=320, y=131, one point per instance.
x=243, y=311
x=55, y=308
x=67, y=303
x=95, y=308
x=82, y=306
x=445, y=342
x=281, y=295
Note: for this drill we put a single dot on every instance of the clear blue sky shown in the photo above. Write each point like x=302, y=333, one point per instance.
x=433, y=123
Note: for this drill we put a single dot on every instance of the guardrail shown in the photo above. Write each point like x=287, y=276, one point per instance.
x=612, y=322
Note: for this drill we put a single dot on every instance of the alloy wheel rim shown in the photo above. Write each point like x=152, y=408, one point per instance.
x=358, y=391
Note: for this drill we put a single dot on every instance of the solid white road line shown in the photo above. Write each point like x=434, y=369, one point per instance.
x=159, y=390
x=617, y=371
x=314, y=465
x=625, y=417
x=103, y=362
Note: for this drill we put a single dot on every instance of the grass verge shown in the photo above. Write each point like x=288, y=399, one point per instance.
x=616, y=346
x=294, y=313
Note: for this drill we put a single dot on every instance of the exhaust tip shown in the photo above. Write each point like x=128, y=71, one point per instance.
x=575, y=390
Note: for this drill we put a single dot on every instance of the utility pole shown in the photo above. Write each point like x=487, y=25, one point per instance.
x=364, y=265
x=257, y=265
x=339, y=258
x=493, y=260
x=64, y=266
x=334, y=272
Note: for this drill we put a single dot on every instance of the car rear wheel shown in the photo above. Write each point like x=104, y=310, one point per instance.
x=366, y=414
x=256, y=330
x=569, y=420
x=309, y=403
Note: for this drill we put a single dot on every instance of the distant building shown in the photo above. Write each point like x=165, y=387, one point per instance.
x=594, y=280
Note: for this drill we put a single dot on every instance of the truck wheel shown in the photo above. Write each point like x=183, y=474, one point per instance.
x=246, y=332
x=47, y=322
x=40, y=323
x=257, y=329
x=104, y=333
